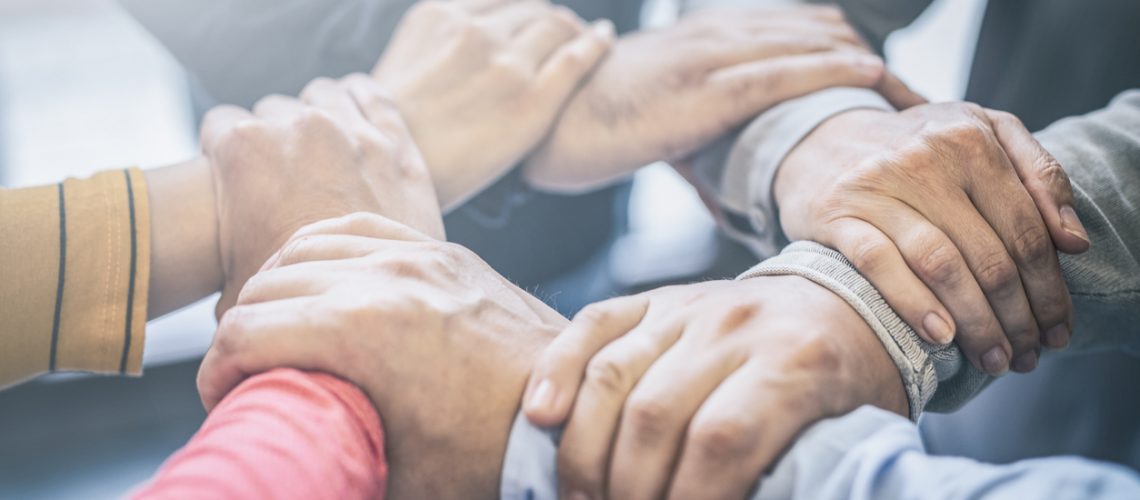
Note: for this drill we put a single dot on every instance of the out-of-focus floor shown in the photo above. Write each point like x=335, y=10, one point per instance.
x=83, y=88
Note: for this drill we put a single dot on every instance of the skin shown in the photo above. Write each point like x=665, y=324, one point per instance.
x=723, y=67
x=954, y=213
x=461, y=73
x=819, y=375
x=693, y=391
x=439, y=341
x=443, y=347
x=216, y=218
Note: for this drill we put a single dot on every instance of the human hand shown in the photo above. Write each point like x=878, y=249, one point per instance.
x=341, y=148
x=663, y=94
x=481, y=81
x=440, y=342
x=952, y=212
x=693, y=391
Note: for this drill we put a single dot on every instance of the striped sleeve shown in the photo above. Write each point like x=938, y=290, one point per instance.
x=74, y=272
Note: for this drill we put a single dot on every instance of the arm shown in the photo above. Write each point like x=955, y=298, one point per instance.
x=738, y=170
x=87, y=262
x=282, y=434
x=1098, y=152
x=866, y=454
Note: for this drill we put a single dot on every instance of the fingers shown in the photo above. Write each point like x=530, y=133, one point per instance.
x=1049, y=188
x=298, y=280
x=936, y=261
x=554, y=383
x=565, y=69
x=537, y=42
x=377, y=105
x=321, y=248
x=277, y=108
x=739, y=432
x=997, y=272
x=898, y=93
x=877, y=258
x=753, y=87
x=365, y=224
x=768, y=46
x=1045, y=180
x=334, y=99
x=281, y=332
x=218, y=122
x=657, y=413
x=584, y=453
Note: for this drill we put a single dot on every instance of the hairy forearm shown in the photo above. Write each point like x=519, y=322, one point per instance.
x=185, y=261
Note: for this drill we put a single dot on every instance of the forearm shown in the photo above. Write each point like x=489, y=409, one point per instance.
x=282, y=434
x=184, y=260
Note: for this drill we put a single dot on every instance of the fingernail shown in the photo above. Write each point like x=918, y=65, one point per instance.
x=937, y=328
x=1072, y=224
x=1057, y=337
x=995, y=362
x=543, y=396
x=1026, y=362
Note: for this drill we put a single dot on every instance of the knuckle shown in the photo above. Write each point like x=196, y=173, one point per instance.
x=1006, y=118
x=233, y=331
x=723, y=439
x=938, y=263
x=315, y=118
x=598, y=313
x=606, y=374
x=649, y=417
x=962, y=136
x=293, y=251
x=997, y=275
x=870, y=255
x=1033, y=248
x=818, y=354
x=1052, y=174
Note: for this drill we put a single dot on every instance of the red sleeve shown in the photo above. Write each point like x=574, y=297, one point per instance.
x=282, y=434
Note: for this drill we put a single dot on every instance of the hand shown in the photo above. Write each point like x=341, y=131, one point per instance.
x=481, y=81
x=439, y=341
x=693, y=391
x=663, y=94
x=952, y=212
x=341, y=148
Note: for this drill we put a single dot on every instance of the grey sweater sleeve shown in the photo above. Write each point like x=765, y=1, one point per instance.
x=1101, y=153
x=739, y=169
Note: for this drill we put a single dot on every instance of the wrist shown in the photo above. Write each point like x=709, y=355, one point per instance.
x=185, y=260
x=823, y=145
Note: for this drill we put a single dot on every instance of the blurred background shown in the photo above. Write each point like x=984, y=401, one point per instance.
x=84, y=87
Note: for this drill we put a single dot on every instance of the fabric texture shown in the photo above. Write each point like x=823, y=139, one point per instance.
x=282, y=434
x=867, y=454
x=74, y=276
x=1099, y=152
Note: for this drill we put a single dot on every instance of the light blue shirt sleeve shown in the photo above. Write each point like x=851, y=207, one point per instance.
x=867, y=454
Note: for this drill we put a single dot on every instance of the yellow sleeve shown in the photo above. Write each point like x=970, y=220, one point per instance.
x=74, y=273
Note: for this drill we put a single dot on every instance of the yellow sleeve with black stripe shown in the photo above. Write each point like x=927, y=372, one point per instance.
x=74, y=273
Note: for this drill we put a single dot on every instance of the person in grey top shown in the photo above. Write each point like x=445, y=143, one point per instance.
x=1021, y=302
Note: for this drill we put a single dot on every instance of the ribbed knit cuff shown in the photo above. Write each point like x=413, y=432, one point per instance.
x=831, y=270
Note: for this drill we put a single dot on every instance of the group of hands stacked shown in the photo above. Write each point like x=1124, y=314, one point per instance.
x=335, y=257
